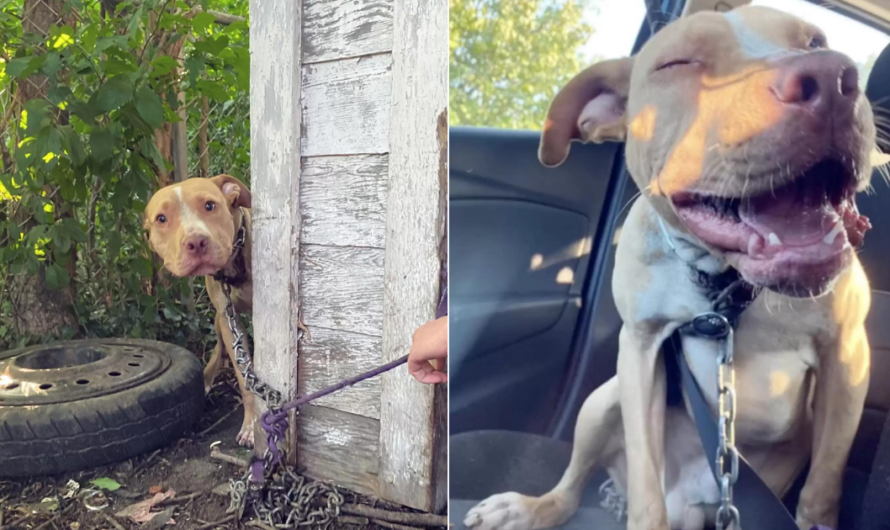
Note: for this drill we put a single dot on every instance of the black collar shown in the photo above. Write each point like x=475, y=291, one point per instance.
x=238, y=266
x=727, y=291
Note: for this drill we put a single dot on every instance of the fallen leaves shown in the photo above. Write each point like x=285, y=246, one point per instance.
x=140, y=512
x=105, y=483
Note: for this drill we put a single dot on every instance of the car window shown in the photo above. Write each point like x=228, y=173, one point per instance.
x=508, y=58
x=860, y=42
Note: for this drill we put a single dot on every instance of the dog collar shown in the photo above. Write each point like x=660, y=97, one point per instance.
x=727, y=291
x=237, y=259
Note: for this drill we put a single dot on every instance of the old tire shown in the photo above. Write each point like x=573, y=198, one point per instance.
x=77, y=404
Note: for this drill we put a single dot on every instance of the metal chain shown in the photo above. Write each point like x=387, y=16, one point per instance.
x=272, y=397
x=727, y=454
x=288, y=500
x=252, y=382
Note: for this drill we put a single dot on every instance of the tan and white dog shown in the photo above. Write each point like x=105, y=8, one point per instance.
x=749, y=140
x=193, y=226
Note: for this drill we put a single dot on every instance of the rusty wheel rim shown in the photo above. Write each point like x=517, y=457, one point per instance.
x=77, y=370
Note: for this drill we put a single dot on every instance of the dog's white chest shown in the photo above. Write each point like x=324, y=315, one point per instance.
x=774, y=358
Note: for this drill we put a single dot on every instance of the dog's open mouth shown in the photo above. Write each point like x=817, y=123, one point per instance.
x=794, y=239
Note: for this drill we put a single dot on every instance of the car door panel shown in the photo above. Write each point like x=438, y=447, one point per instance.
x=520, y=248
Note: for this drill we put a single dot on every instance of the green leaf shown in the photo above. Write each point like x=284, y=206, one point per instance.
x=133, y=26
x=113, y=244
x=37, y=116
x=116, y=92
x=89, y=36
x=101, y=144
x=150, y=151
x=56, y=277
x=202, y=21
x=52, y=64
x=143, y=267
x=62, y=243
x=86, y=111
x=58, y=94
x=48, y=146
x=36, y=233
x=105, y=43
x=195, y=66
x=163, y=65
x=150, y=313
x=114, y=66
x=71, y=229
x=212, y=46
x=105, y=483
x=74, y=145
x=213, y=90
x=22, y=67
x=149, y=106
x=68, y=190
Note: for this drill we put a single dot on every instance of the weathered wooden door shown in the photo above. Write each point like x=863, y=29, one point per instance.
x=349, y=141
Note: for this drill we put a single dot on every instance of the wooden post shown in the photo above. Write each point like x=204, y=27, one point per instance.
x=275, y=120
x=412, y=415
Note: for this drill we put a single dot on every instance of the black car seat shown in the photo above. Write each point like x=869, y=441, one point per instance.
x=488, y=462
x=871, y=451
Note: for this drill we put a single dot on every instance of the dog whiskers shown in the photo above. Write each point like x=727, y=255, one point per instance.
x=628, y=203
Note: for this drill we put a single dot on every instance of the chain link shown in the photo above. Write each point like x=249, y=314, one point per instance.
x=727, y=454
x=287, y=500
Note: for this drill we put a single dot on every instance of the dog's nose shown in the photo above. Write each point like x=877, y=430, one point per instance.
x=818, y=80
x=195, y=245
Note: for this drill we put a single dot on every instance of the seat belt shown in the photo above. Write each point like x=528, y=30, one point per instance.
x=758, y=506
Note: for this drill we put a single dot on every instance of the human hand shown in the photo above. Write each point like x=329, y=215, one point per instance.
x=429, y=352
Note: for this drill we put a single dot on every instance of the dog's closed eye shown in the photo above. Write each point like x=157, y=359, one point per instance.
x=674, y=63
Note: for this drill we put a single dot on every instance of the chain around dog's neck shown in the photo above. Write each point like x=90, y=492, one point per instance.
x=237, y=259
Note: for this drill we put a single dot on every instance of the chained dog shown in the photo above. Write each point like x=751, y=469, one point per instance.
x=201, y=227
x=749, y=139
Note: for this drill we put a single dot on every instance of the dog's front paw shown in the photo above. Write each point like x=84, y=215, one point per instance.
x=813, y=511
x=505, y=510
x=245, y=435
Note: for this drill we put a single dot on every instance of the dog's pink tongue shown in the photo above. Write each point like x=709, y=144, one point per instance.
x=790, y=216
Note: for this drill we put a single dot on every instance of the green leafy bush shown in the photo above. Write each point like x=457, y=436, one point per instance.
x=81, y=160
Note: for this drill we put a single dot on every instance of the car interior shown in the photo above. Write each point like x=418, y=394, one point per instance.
x=526, y=351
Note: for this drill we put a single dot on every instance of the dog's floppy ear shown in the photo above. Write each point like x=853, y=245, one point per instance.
x=235, y=191
x=590, y=107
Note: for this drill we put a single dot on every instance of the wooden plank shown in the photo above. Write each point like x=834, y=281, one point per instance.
x=411, y=445
x=331, y=356
x=274, y=134
x=342, y=288
x=340, y=448
x=337, y=29
x=346, y=106
x=344, y=200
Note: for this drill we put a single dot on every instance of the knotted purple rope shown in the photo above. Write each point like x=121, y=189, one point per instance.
x=275, y=422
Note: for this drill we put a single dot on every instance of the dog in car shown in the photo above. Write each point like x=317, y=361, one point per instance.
x=749, y=139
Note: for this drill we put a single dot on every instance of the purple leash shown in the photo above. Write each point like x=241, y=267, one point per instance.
x=274, y=423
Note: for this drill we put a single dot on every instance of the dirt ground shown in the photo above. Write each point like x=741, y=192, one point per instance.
x=186, y=467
